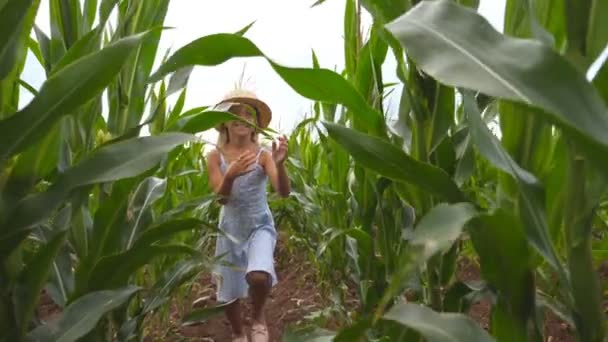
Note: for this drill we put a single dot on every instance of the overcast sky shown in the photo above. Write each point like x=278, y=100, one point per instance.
x=286, y=31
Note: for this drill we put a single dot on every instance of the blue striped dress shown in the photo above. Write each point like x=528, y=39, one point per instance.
x=249, y=237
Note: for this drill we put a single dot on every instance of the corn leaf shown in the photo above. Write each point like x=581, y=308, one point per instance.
x=34, y=276
x=437, y=327
x=12, y=16
x=82, y=316
x=167, y=229
x=316, y=84
x=460, y=48
x=86, y=45
x=386, y=10
x=202, y=121
x=436, y=232
x=114, y=270
x=147, y=192
x=179, y=79
x=532, y=194
x=181, y=272
x=64, y=92
x=120, y=160
x=391, y=162
x=505, y=260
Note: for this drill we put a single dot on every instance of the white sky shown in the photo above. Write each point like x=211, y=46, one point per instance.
x=286, y=31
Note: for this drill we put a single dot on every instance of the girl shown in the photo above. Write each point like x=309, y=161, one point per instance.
x=238, y=172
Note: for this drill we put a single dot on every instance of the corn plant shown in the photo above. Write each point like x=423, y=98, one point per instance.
x=535, y=231
x=86, y=203
x=78, y=190
x=454, y=85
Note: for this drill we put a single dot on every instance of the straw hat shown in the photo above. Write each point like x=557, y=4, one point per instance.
x=249, y=98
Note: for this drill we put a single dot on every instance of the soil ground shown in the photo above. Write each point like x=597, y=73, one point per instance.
x=296, y=296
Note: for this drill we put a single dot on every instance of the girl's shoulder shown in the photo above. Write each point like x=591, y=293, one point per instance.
x=213, y=153
x=264, y=151
x=215, y=156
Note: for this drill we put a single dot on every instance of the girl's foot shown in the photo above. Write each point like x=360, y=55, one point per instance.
x=259, y=332
x=239, y=338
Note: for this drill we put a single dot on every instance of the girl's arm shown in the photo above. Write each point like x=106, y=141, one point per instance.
x=222, y=183
x=276, y=170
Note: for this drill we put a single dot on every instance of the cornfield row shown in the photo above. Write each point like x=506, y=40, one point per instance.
x=115, y=224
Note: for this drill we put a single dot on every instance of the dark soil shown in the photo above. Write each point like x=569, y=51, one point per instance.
x=296, y=295
x=556, y=330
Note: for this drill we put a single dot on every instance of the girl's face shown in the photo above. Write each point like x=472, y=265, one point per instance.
x=239, y=128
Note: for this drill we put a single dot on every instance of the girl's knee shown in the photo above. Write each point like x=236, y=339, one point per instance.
x=258, y=278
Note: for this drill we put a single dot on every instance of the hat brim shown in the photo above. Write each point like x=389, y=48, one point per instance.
x=263, y=110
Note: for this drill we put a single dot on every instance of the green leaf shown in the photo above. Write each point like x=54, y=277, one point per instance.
x=171, y=280
x=316, y=84
x=469, y=3
x=245, y=29
x=105, y=8
x=460, y=48
x=33, y=278
x=178, y=107
x=438, y=229
x=209, y=51
x=531, y=191
x=202, y=121
x=442, y=118
x=326, y=86
x=166, y=230
x=12, y=15
x=89, y=13
x=147, y=192
x=597, y=30
x=28, y=87
x=82, y=316
x=84, y=46
x=353, y=332
x=70, y=21
x=106, y=235
x=61, y=280
x=120, y=160
x=386, y=10
x=128, y=96
x=351, y=37
x=203, y=314
x=391, y=162
x=45, y=48
x=114, y=270
x=436, y=232
x=62, y=93
x=34, y=47
x=506, y=264
x=36, y=162
x=437, y=327
x=179, y=79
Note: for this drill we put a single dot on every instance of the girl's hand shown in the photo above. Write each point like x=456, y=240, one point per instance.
x=279, y=153
x=240, y=166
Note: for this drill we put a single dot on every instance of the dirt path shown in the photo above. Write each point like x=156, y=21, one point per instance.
x=294, y=297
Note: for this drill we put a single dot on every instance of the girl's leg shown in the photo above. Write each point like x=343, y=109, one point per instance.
x=233, y=313
x=259, y=288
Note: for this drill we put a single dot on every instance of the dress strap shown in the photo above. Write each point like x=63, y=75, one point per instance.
x=222, y=160
x=257, y=157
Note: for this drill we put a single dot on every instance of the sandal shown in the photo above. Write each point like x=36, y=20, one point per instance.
x=239, y=338
x=259, y=333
